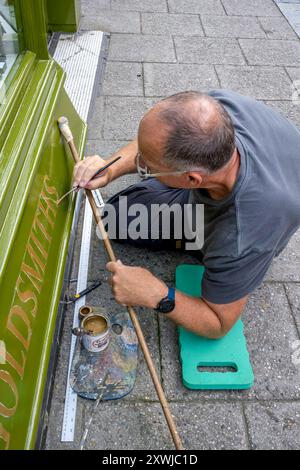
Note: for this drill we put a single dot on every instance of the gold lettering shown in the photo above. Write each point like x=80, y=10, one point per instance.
x=26, y=296
x=5, y=436
x=38, y=224
x=2, y=352
x=37, y=262
x=17, y=311
x=18, y=367
x=37, y=273
x=50, y=189
x=18, y=321
x=39, y=245
x=4, y=410
x=48, y=209
x=32, y=275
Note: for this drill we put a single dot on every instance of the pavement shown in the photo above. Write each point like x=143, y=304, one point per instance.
x=159, y=47
x=291, y=10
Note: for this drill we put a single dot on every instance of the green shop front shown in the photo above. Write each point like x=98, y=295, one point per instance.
x=35, y=169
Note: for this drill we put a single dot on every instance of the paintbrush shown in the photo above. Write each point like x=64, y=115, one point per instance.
x=76, y=188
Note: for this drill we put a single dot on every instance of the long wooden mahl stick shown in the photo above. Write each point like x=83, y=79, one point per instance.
x=66, y=132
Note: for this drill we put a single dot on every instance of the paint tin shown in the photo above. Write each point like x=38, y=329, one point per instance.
x=84, y=311
x=96, y=335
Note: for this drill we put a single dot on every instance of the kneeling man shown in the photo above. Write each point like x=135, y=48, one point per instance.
x=238, y=158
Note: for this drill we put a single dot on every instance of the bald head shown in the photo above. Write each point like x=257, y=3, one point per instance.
x=189, y=130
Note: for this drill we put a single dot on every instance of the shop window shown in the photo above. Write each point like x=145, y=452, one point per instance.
x=9, y=46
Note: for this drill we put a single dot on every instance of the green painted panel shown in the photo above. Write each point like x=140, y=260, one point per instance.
x=63, y=15
x=35, y=169
x=31, y=20
x=34, y=236
x=13, y=91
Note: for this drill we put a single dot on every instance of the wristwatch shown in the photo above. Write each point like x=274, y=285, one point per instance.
x=167, y=304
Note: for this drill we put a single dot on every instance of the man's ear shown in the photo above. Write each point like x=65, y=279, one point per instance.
x=195, y=179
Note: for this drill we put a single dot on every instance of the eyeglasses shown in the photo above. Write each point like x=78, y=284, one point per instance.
x=144, y=172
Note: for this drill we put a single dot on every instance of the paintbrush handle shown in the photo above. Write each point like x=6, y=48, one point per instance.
x=105, y=167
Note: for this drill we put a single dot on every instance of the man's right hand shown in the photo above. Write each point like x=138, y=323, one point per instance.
x=85, y=170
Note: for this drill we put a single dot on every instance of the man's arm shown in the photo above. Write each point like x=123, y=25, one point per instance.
x=205, y=318
x=85, y=169
x=137, y=286
x=127, y=164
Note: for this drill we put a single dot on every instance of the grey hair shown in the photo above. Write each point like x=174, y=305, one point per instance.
x=193, y=142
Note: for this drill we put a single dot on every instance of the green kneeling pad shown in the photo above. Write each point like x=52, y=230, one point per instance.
x=211, y=364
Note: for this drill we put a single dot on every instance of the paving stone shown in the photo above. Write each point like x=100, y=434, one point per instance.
x=289, y=110
x=96, y=117
x=213, y=7
x=229, y=27
x=168, y=24
x=109, y=21
x=139, y=5
x=123, y=78
x=104, y=148
x=294, y=73
x=285, y=267
x=258, y=82
x=251, y=8
x=139, y=48
x=166, y=79
x=120, y=425
x=271, y=52
x=277, y=28
x=87, y=4
x=291, y=11
x=270, y=332
x=201, y=426
x=274, y=425
x=293, y=293
x=211, y=426
x=122, y=116
x=208, y=50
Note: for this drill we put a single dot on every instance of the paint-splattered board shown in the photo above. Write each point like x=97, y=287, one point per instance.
x=119, y=360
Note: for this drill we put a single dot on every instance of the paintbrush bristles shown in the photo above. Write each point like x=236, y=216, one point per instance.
x=67, y=194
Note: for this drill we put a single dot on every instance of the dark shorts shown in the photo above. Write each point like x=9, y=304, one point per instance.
x=150, y=192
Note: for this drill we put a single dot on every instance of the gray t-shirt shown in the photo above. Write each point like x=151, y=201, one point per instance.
x=244, y=231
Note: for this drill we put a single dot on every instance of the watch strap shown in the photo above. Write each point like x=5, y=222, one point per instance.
x=167, y=304
x=171, y=293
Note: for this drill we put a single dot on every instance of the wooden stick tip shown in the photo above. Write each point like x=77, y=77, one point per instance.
x=63, y=124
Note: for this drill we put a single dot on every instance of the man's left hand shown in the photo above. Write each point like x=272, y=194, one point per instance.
x=136, y=286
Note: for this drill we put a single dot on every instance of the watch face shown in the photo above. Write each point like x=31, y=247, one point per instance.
x=167, y=306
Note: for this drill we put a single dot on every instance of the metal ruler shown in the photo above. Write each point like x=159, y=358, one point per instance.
x=69, y=419
x=68, y=428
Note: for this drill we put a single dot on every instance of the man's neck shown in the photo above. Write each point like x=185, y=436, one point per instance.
x=222, y=184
